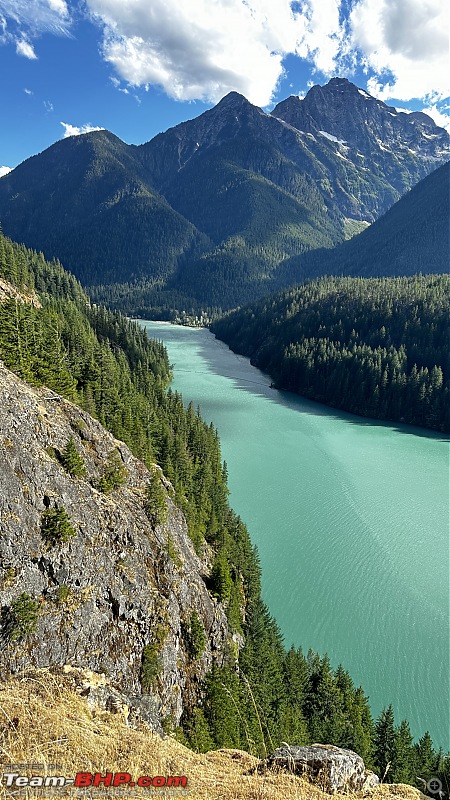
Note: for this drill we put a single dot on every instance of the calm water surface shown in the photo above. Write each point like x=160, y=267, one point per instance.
x=351, y=519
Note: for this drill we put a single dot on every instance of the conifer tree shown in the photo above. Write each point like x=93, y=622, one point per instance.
x=425, y=756
x=402, y=759
x=155, y=502
x=72, y=461
x=56, y=526
x=114, y=473
x=384, y=743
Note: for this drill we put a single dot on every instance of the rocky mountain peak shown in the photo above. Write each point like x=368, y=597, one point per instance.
x=367, y=125
x=173, y=150
x=233, y=100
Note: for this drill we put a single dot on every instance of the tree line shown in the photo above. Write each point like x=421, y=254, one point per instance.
x=377, y=347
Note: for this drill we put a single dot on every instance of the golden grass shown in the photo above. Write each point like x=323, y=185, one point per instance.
x=43, y=720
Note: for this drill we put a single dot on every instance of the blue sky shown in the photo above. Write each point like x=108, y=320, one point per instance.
x=138, y=67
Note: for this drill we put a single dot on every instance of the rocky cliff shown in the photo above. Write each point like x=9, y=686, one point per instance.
x=387, y=137
x=86, y=579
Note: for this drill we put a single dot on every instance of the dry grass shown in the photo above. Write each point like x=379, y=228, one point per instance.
x=44, y=720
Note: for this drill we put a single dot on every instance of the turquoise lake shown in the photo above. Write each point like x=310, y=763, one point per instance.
x=351, y=519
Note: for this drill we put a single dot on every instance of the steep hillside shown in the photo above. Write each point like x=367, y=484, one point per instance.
x=204, y=214
x=375, y=347
x=86, y=200
x=58, y=721
x=91, y=578
x=413, y=236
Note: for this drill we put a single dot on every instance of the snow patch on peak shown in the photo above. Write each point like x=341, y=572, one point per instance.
x=333, y=138
x=364, y=94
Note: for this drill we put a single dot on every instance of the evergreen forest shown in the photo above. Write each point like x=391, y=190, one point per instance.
x=377, y=347
x=51, y=334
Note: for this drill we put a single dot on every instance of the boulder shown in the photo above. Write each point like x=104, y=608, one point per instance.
x=333, y=769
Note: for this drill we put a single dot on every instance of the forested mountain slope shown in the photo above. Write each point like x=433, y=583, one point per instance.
x=204, y=214
x=86, y=201
x=375, y=347
x=412, y=237
x=55, y=453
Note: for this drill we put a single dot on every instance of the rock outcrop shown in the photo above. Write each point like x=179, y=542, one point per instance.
x=115, y=594
x=384, y=135
x=9, y=292
x=44, y=708
x=333, y=769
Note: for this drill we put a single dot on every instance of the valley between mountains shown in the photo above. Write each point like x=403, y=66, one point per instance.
x=224, y=208
x=313, y=239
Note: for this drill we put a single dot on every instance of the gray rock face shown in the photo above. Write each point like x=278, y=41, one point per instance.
x=333, y=769
x=118, y=585
x=392, y=148
x=365, y=124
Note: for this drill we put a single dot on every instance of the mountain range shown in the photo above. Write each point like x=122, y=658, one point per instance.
x=411, y=237
x=209, y=213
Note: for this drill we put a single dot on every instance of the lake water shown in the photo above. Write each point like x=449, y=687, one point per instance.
x=351, y=519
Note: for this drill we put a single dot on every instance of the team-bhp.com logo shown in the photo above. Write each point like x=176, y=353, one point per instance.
x=94, y=780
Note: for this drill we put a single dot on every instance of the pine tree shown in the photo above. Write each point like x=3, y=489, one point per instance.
x=197, y=732
x=155, y=502
x=384, y=742
x=221, y=582
x=425, y=756
x=56, y=527
x=402, y=770
x=114, y=473
x=72, y=461
x=195, y=636
x=23, y=617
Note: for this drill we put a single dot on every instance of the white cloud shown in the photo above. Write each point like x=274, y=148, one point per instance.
x=48, y=106
x=28, y=91
x=73, y=130
x=443, y=120
x=24, y=48
x=59, y=6
x=4, y=171
x=37, y=16
x=204, y=49
x=116, y=83
x=22, y=21
x=324, y=35
x=404, y=42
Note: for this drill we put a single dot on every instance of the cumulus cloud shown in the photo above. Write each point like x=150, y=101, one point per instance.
x=74, y=130
x=324, y=40
x=25, y=49
x=59, y=6
x=4, y=171
x=443, y=120
x=202, y=50
x=198, y=49
x=404, y=42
